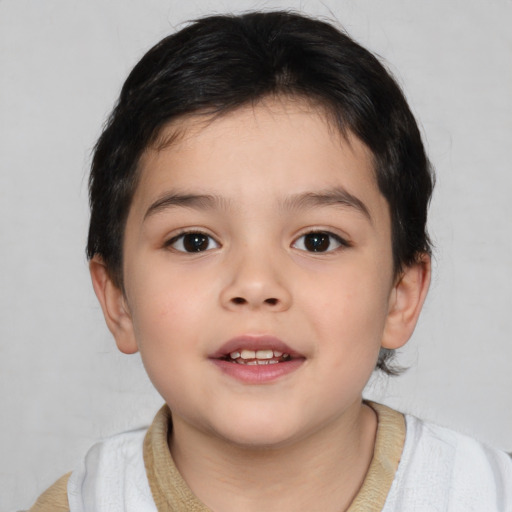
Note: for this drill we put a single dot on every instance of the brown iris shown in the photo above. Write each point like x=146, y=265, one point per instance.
x=195, y=242
x=317, y=242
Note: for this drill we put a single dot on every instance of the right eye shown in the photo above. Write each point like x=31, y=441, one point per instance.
x=193, y=242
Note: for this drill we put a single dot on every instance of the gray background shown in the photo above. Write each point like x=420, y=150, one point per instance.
x=62, y=62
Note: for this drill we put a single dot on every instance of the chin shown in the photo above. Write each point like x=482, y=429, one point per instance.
x=258, y=432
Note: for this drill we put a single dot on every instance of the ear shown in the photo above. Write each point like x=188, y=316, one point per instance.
x=405, y=303
x=114, y=306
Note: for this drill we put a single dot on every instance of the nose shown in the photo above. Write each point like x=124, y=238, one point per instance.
x=256, y=282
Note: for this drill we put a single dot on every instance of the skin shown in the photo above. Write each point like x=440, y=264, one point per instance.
x=335, y=308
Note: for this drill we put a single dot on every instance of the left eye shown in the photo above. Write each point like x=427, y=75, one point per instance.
x=193, y=242
x=319, y=241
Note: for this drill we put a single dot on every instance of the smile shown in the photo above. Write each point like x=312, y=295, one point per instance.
x=257, y=357
x=253, y=359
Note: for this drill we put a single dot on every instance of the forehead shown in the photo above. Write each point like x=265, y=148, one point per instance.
x=275, y=148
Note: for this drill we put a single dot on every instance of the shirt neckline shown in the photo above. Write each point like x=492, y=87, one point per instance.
x=172, y=494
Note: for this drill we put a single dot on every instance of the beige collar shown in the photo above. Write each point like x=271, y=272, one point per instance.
x=172, y=494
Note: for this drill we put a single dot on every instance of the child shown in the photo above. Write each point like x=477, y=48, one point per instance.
x=258, y=232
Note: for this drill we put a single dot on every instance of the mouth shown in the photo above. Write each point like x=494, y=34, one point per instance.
x=256, y=359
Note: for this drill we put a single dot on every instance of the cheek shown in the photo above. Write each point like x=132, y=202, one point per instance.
x=163, y=320
x=166, y=306
x=351, y=312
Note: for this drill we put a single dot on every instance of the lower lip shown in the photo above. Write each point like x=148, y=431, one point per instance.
x=258, y=373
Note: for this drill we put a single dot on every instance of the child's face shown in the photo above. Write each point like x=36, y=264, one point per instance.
x=265, y=230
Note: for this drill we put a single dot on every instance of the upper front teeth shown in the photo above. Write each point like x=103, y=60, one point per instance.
x=256, y=354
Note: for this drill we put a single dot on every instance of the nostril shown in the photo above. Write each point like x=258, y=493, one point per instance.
x=240, y=301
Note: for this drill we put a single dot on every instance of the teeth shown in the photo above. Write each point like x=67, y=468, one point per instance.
x=253, y=357
x=258, y=354
x=248, y=354
x=264, y=354
x=255, y=362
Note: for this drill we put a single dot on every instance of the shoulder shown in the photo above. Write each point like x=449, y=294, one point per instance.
x=441, y=469
x=112, y=471
x=114, y=450
x=470, y=457
x=54, y=499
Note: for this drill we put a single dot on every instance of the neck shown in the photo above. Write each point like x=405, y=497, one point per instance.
x=322, y=471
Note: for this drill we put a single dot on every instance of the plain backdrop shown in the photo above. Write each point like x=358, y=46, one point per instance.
x=63, y=384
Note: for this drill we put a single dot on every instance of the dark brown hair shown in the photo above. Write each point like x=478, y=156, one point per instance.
x=220, y=63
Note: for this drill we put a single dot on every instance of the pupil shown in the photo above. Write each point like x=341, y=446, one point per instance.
x=317, y=242
x=195, y=242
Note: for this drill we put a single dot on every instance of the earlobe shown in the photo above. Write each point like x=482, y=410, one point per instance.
x=114, y=306
x=406, y=302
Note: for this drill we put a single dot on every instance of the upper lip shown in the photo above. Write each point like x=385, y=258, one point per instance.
x=254, y=342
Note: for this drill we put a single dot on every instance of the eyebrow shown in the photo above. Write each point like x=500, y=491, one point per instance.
x=337, y=196
x=197, y=201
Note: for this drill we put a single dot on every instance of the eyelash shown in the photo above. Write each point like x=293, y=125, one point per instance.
x=179, y=242
x=340, y=242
